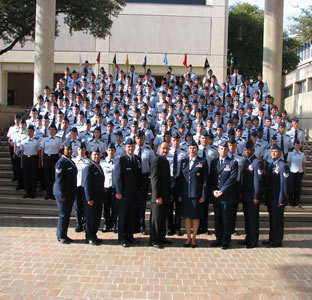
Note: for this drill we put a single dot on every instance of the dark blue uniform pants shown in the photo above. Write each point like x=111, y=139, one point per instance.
x=30, y=169
x=223, y=213
x=93, y=220
x=142, y=201
x=79, y=207
x=110, y=209
x=65, y=208
x=295, y=188
x=49, y=171
x=251, y=215
x=276, y=224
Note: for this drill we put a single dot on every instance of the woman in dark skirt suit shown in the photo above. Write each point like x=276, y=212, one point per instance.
x=193, y=180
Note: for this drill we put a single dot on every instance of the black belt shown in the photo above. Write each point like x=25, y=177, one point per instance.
x=49, y=155
x=30, y=156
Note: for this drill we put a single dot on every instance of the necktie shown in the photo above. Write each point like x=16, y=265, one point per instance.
x=223, y=97
x=204, y=153
x=241, y=122
x=261, y=123
x=261, y=98
x=296, y=135
x=282, y=144
x=65, y=116
x=86, y=114
x=248, y=135
x=175, y=163
x=268, y=135
x=140, y=153
x=243, y=98
x=228, y=88
x=63, y=136
x=235, y=80
x=131, y=78
x=53, y=120
x=45, y=132
x=109, y=139
x=75, y=120
x=269, y=110
x=59, y=126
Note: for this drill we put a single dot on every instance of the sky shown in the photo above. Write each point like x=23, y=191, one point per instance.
x=289, y=8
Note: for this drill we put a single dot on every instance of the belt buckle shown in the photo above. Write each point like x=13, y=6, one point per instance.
x=28, y=156
x=49, y=155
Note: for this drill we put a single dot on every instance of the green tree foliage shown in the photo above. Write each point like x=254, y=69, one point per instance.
x=245, y=41
x=245, y=37
x=17, y=18
x=290, y=57
x=303, y=24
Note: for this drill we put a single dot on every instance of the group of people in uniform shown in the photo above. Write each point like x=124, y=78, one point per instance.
x=99, y=143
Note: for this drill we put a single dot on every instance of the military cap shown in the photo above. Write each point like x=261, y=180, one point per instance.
x=254, y=133
x=232, y=141
x=67, y=144
x=17, y=116
x=110, y=123
x=295, y=119
x=192, y=143
x=276, y=147
x=140, y=133
x=23, y=121
x=39, y=117
x=223, y=144
x=34, y=109
x=282, y=124
x=249, y=144
x=129, y=141
x=53, y=126
x=81, y=145
x=119, y=133
x=176, y=135
x=135, y=123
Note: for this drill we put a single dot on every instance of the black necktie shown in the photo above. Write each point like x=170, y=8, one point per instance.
x=268, y=135
x=63, y=136
x=223, y=97
x=248, y=135
x=86, y=114
x=260, y=95
x=241, y=122
x=175, y=163
x=204, y=153
x=75, y=120
x=261, y=123
x=140, y=152
x=269, y=110
x=131, y=78
x=235, y=80
x=296, y=135
x=109, y=139
x=228, y=88
x=282, y=144
x=53, y=120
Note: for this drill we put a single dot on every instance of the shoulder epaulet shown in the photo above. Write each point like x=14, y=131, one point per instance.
x=36, y=138
x=182, y=149
x=147, y=147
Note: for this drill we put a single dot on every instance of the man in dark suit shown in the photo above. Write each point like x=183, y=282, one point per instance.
x=127, y=182
x=277, y=184
x=64, y=190
x=251, y=194
x=161, y=193
x=223, y=173
x=94, y=192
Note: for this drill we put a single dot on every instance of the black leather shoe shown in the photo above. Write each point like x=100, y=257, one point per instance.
x=64, y=241
x=208, y=232
x=276, y=245
x=242, y=242
x=224, y=247
x=93, y=242
x=235, y=232
x=251, y=245
x=125, y=245
x=157, y=246
x=143, y=231
x=99, y=240
x=32, y=196
x=104, y=229
x=215, y=244
x=78, y=229
x=26, y=196
x=115, y=230
x=19, y=188
x=179, y=232
x=166, y=242
x=194, y=246
x=69, y=239
x=266, y=242
x=187, y=245
x=133, y=241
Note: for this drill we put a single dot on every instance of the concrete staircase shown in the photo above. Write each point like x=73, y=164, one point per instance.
x=11, y=201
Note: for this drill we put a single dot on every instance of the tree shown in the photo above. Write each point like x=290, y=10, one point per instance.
x=290, y=57
x=303, y=24
x=17, y=18
x=245, y=41
x=245, y=37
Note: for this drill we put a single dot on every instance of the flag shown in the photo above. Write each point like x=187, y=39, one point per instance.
x=98, y=59
x=80, y=61
x=144, y=62
x=165, y=60
x=127, y=61
x=206, y=65
x=185, y=60
x=115, y=60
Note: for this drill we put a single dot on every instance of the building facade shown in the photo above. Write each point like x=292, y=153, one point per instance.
x=144, y=28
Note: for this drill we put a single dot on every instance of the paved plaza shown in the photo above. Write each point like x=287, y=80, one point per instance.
x=33, y=265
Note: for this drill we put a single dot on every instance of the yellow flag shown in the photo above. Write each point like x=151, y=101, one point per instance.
x=127, y=60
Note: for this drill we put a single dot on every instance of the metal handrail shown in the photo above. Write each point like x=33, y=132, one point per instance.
x=305, y=152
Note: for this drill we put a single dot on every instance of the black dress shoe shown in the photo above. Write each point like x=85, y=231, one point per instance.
x=14, y=179
x=194, y=246
x=224, y=246
x=69, y=239
x=179, y=232
x=133, y=241
x=26, y=196
x=242, y=242
x=187, y=245
x=93, y=242
x=64, y=241
x=104, y=229
x=78, y=229
x=166, y=242
x=115, y=230
x=276, y=245
x=99, y=240
x=251, y=245
x=235, y=232
x=32, y=196
x=143, y=231
x=124, y=244
x=19, y=188
x=208, y=232
x=215, y=244
x=157, y=245
x=266, y=242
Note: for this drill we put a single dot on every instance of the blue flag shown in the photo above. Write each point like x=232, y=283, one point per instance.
x=165, y=60
x=144, y=62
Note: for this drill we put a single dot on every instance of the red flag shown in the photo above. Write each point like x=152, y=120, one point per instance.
x=98, y=59
x=185, y=60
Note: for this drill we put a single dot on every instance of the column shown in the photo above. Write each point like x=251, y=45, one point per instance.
x=3, y=87
x=273, y=48
x=44, y=45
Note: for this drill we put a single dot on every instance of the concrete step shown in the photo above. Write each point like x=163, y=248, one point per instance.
x=10, y=190
x=20, y=209
x=6, y=173
x=5, y=160
x=6, y=182
x=307, y=190
x=6, y=166
x=5, y=153
x=39, y=201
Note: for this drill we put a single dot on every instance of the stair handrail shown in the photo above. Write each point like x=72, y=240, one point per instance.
x=305, y=152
